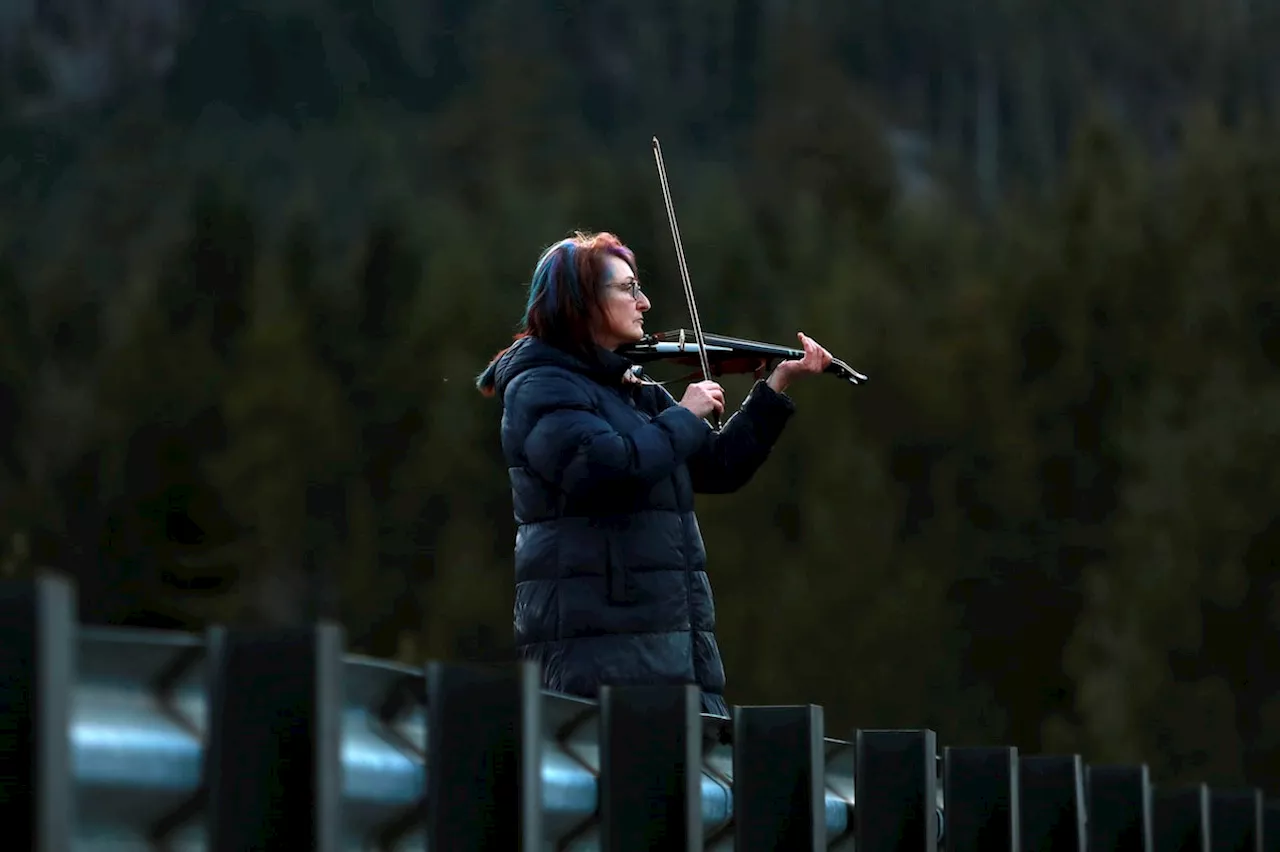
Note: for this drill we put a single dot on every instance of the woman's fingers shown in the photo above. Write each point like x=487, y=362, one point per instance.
x=816, y=358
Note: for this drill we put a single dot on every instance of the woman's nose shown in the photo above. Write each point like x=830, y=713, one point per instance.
x=643, y=302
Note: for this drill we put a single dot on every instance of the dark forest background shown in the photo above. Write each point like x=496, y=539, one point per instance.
x=253, y=255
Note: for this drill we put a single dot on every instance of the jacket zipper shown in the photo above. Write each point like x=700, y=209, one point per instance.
x=688, y=602
x=688, y=572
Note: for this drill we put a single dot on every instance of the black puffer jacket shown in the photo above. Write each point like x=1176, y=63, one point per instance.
x=611, y=582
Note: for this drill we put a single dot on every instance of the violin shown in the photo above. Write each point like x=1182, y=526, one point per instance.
x=724, y=355
x=729, y=354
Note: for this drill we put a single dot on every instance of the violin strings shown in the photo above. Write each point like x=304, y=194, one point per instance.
x=684, y=269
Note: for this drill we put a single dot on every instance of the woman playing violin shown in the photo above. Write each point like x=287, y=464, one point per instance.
x=611, y=581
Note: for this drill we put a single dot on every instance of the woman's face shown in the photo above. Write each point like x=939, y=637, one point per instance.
x=622, y=307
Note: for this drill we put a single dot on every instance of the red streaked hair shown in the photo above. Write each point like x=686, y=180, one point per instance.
x=565, y=293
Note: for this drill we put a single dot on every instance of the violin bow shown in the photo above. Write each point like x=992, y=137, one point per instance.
x=684, y=274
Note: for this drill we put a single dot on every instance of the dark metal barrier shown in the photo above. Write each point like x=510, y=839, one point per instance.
x=116, y=739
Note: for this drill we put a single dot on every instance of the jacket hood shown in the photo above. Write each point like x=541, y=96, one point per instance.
x=529, y=352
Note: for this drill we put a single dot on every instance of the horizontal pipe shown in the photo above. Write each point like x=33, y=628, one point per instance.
x=139, y=727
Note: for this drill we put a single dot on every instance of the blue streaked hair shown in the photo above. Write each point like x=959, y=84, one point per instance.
x=563, y=293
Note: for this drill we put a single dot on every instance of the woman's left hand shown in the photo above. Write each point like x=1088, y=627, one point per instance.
x=815, y=360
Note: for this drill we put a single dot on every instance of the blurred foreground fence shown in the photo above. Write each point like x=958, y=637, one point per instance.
x=117, y=739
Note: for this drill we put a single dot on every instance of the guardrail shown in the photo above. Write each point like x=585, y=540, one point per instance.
x=114, y=739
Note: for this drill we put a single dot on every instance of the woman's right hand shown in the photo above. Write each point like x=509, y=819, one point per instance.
x=703, y=398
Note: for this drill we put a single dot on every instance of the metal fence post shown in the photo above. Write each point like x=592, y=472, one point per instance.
x=274, y=764
x=37, y=671
x=484, y=759
x=1119, y=809
x=980, y=794
x=651, y=768
x=1181, y=818
x=778, y=787
x=1052, y=803
x=896, y=784
x=1235, y=820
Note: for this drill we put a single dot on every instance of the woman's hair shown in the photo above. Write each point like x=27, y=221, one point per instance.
x=565, y=292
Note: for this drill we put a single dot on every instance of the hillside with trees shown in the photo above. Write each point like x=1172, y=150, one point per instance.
x=245, y=295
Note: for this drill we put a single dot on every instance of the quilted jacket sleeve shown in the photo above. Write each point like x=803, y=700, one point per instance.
x=567, y=443
x=729, y=460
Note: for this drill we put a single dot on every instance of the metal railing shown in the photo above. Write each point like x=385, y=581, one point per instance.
x=114, y=739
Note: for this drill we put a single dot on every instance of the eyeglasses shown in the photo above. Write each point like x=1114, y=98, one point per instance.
x=632, y=287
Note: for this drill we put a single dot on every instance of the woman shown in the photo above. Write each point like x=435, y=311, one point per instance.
x=611, y=582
